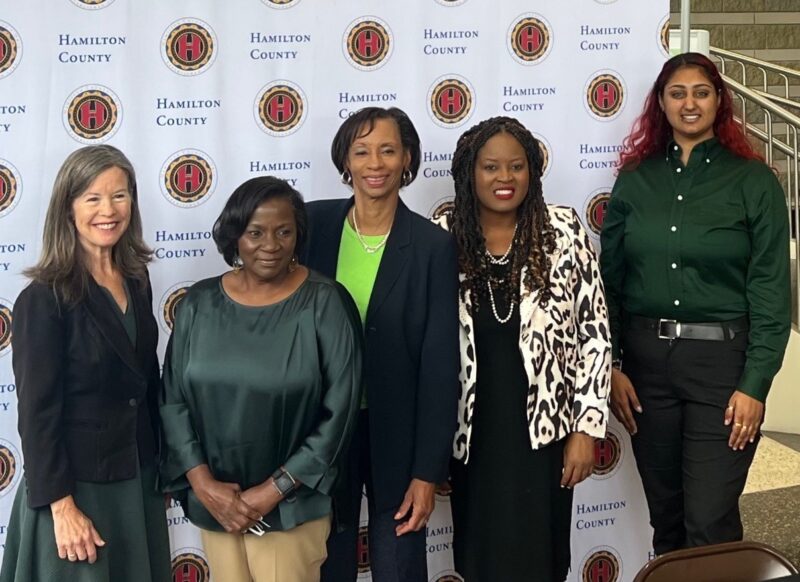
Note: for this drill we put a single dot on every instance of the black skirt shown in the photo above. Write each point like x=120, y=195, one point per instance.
x=511, y=517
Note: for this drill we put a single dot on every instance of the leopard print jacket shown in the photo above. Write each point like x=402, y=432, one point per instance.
x=565, y=346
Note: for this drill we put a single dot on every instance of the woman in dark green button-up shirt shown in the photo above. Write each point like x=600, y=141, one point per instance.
x=696, y=269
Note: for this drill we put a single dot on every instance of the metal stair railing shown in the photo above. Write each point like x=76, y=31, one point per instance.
x=728, y=58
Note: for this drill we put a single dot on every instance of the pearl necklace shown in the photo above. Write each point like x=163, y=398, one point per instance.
x=371, y=249
x=504, y=259
x=494, y=307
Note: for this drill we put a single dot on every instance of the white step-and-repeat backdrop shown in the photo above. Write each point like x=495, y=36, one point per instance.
x=203, y=95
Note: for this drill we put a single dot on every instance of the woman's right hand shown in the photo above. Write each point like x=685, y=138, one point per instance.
x=624, y=400
x=222, y=500
x=76, y=537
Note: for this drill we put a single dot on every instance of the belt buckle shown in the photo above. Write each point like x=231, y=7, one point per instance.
x=662, y=335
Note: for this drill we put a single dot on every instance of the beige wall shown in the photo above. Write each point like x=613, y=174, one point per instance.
x=764, y=29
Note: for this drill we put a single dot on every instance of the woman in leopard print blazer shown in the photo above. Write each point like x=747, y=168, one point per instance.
x=535, y=359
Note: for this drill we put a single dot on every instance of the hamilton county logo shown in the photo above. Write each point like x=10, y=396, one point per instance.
x=362, y=550
x=447, y=576
x=92, y=114
x=547, y=157
x=5, y=327
x=169, y=304
x=663, y=35
x=10, y=49
x=189, y=46
x=8, y=467
x=368, y=43
x=607, y=455
x=280, y=4
x=10, y=187
x=530, y=39
x=93, y=4
x=450, y=2
x=441, y=207
x=280, y=108
x=190, y=567
x=602, y=564
x=595, y=210
x=188, y=178
x=605, y=95
x=451, y=101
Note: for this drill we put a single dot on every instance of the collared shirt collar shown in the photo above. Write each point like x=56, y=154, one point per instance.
x=706, y=150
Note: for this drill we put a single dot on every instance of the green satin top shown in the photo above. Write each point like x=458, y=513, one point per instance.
x=248, y=389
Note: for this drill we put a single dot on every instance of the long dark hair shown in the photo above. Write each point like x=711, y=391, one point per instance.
x=652, y=132
x=61, y=264
x=535, y=236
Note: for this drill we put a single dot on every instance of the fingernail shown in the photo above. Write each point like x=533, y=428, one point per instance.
x=639, y=409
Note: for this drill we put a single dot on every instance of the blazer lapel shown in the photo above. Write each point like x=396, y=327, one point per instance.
x=330, y=232
x=146, y=331
x=110, y=326
x=395, y=256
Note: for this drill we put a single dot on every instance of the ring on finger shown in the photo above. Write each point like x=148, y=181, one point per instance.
x=737, y=424
x=744, y=427
x=72, y=556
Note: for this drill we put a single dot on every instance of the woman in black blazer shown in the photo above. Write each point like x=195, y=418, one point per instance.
x=402, y=273
x=84, y=341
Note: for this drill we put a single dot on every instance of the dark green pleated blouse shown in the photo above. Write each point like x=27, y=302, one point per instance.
x=248, y=389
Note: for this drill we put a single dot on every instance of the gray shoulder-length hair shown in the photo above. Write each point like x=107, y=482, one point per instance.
x=61, y=264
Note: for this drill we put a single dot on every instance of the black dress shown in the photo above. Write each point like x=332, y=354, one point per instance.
x=511, y=517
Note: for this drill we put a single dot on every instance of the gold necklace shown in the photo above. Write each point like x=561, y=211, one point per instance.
x=371, y=249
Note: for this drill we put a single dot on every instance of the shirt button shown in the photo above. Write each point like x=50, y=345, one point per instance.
x=676, y=302
x=680, y=197
x=674, y=265
x=708, y=161
x=678, y=170
x=132, y=402
x=674, y=228
x=675, y=148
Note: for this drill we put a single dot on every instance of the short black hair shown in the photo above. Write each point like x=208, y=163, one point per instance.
x=244, y=201
x=363, y=122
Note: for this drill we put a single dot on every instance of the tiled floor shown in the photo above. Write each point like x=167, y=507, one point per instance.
x=771, y=503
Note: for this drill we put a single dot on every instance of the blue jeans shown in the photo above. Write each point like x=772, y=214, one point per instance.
x=390, y=558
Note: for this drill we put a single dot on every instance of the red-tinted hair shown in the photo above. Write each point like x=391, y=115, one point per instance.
x=651, y=132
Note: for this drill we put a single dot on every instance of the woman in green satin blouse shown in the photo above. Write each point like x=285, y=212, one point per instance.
x=261, y=391
x=695, y=263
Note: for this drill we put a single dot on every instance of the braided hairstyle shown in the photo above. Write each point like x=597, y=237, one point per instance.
x=535, y=236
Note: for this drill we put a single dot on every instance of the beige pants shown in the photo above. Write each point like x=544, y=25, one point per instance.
x=295, y=555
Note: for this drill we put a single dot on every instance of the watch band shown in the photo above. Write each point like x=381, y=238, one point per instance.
x=283, y=481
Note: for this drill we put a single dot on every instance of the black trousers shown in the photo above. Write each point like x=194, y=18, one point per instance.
x=692, y=479
x=388, y=557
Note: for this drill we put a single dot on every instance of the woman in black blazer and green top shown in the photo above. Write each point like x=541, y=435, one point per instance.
x=87, y=377
x=402, y=273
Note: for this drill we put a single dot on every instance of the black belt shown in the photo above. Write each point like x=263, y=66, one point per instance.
x=669, y=329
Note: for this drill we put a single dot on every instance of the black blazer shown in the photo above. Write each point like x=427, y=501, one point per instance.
x=87, y=398
x=411, y=359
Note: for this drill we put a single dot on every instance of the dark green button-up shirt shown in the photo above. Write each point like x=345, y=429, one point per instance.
x=708, y=241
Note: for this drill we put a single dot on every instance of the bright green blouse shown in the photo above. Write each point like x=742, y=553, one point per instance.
x=248, y=389
x=708, y=241
x=357, y=269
